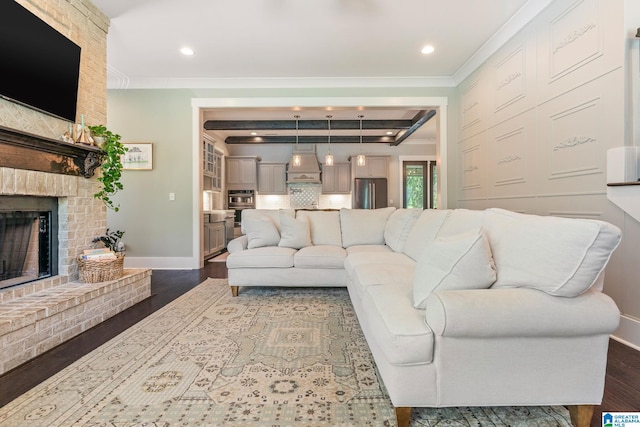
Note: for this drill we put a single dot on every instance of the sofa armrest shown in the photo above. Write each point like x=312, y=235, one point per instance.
x=519, y=312
x=238, y=244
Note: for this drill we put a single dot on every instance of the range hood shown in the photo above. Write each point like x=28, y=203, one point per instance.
x=308, y=171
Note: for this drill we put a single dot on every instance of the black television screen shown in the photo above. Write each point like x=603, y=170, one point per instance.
x=39, y=67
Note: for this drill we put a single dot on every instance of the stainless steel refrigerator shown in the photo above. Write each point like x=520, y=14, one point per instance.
x=370, y=193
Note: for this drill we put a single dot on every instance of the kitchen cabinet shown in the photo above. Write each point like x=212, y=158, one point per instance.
x=375, y=167
x=242, y=172
x=272, y=178
x=211, y=166
x=336, y=179
x=214, y=237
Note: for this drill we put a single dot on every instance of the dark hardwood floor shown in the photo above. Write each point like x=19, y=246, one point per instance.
x=622, y=384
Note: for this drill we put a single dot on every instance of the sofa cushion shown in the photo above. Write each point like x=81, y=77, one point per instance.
x=294, y=233
x=367, y=248
x=274, y=214
x=425, y=229
x=375, y=258
x=398, y=227
x=324, y=226
x=401, y=331
x=363, y=226
x=268, y=257
x=365, y=276
x=453, y=263
x=261, y=231
x=559, y=256
x=320, y=256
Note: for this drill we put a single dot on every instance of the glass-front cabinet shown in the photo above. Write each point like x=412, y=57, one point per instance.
x=211, y=166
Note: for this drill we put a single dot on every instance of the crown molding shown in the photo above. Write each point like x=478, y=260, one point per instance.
x=518, y=21
x=120, y=81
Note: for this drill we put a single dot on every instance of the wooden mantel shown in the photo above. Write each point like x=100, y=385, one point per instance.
x=22, y=150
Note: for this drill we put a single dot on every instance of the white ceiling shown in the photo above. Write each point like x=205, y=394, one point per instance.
x=304, y=43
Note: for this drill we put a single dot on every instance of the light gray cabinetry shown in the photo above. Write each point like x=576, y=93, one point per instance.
x=242, y=173
x=336, y=179
x=375, y=167
x=211, y=166
x=214, y=237
x=272, y=178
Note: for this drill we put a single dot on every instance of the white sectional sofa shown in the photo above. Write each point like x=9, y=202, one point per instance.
x=459, y=307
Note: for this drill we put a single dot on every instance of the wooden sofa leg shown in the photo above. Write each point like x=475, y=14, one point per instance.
x=234, y=291
x=403, y=416
x=581, y=415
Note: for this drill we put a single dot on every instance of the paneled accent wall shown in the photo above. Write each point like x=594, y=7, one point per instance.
x=536, y=121
x=537, y=118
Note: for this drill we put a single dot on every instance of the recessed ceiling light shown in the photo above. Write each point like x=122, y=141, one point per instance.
x=254, y=133
x=186, y=51
x=389, y=132
x=428, y=49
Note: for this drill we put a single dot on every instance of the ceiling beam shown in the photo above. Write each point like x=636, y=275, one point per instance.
x=306, y=139
x=421, y=118
x=250, y=125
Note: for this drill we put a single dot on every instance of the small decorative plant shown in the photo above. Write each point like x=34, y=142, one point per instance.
x=112, y=150
x=112, y=240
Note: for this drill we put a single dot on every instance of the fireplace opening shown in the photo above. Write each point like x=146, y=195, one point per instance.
x=28, y=239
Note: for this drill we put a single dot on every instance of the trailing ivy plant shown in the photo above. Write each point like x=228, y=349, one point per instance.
x=112, y=150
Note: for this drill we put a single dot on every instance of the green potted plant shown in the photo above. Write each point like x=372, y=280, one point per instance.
x=112, y=240
x=112, y=150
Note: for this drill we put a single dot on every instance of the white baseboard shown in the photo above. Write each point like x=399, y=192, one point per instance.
x=628, y=332
x=162, y=263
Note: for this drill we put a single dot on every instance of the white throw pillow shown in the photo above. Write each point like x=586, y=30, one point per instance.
x=453, y=263
x=559, y=256
x=294, y=233
x=324, y=225
x=424, y=230
x=398, y=227
x=261, y=231
x=273, y=214
x=363, y=226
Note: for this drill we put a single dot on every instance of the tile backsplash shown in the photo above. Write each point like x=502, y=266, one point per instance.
x=304, y=196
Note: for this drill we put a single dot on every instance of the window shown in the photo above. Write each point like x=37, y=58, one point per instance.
x=419, y=183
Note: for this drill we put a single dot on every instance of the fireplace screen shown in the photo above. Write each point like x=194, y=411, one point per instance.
x=28, y=239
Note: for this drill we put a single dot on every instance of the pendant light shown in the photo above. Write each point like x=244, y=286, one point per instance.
x=297, y=159
x=360, y=159
x=328, y=159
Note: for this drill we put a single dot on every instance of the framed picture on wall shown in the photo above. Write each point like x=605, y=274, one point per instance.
x=139, y=156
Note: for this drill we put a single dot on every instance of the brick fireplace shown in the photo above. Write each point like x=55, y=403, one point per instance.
x=80, y=216
x=37, y=316
x=41, y=314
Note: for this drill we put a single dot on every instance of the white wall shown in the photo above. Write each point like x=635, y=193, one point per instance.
x=536, y=121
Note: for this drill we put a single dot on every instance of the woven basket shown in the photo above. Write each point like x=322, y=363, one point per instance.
x=96, y=270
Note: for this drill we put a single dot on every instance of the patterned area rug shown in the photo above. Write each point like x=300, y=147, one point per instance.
x=269, y=357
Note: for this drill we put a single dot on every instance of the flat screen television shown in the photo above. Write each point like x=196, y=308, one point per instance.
x=39, y=67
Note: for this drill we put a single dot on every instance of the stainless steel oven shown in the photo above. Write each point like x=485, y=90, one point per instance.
x=237, y=200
